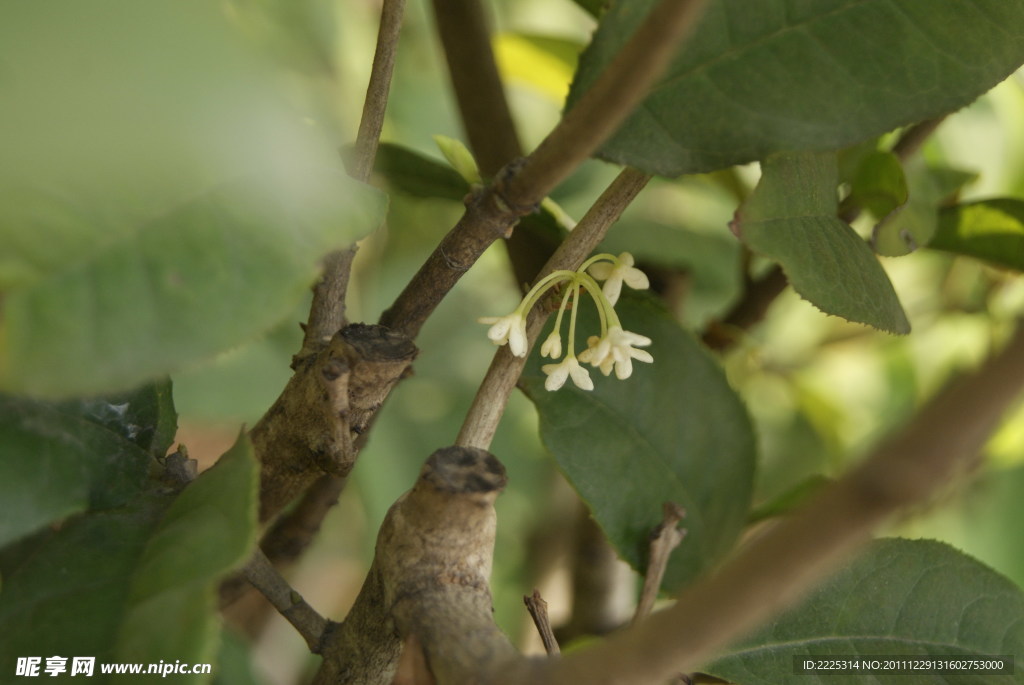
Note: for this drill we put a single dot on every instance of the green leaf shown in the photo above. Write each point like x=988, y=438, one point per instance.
x=992, y=230
x=145, y=416
x=879, y=185
x=762, y=77
x=902, y=597
x=211, y=272
x=234, y=662
x=674, y=431
x=913, y=225
x=161, y=199
x=208, y=530
x=134, y=584
x=459, y=157
x=410, y=172
x=791, y=218
x=56, y=463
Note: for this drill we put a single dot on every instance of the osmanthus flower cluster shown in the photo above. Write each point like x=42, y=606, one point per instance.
x=614, y=349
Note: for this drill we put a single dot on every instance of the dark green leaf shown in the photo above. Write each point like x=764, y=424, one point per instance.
x=69, y=595
x=56, y=463
x=763, y=77
x=207, y=531
x=212, y=272
x=992, y=230
x=134, y=584
x=906, y=597
x=145, y=416
x=410, y=172
x=674, y=431
x=791, y=218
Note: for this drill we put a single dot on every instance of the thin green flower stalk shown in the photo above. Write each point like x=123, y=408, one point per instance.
x=614, y=349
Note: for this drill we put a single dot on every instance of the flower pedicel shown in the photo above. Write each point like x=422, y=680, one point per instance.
x=615, y=349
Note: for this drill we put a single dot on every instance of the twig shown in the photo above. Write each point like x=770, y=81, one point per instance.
x=749, y=311
x=265, y=578
x=538, y=609
x=612, y=98
x=521, y=186
x=489, y=404
x=665, y=538
x=787, y=560
x=485, y=113
x=462, y=27
x=913, y=138
x=292, y=533
x=327, y=313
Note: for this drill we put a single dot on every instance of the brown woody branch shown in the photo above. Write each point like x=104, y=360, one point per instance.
x=538, y=609
x=462, y=28
x=520, y=186
x=313, y=426
x=664, y=539
x=429, y=580
x=290, y=604
x=486, y=118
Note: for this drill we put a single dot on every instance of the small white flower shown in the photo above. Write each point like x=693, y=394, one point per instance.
x=617, y=348
x=615, y=274
x=567, y=368
x=509, y=329
x=597, y=354
x=552, y=346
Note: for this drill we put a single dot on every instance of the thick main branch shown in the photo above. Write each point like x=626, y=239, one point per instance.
x=429, y=580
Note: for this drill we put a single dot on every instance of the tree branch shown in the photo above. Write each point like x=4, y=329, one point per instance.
x=289, y=536
x=265, y=578
x=519, y=187
x=466, y=39
x=485, y=113
x=313, y=427
x=664, y=539
x=327, y=313
x=429, y=579
x=489, y=404
x=538, y=609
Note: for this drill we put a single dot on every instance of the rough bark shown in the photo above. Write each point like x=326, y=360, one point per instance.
x=312, y=428
x=429, y=580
